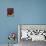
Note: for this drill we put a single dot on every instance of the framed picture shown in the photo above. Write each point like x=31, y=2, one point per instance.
x=10, y=11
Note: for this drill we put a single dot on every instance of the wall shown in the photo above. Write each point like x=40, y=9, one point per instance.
x=26, y=12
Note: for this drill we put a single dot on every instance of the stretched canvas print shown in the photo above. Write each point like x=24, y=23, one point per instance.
x=10, y=11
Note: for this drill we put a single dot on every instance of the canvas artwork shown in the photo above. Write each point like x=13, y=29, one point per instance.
x=10, y=11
